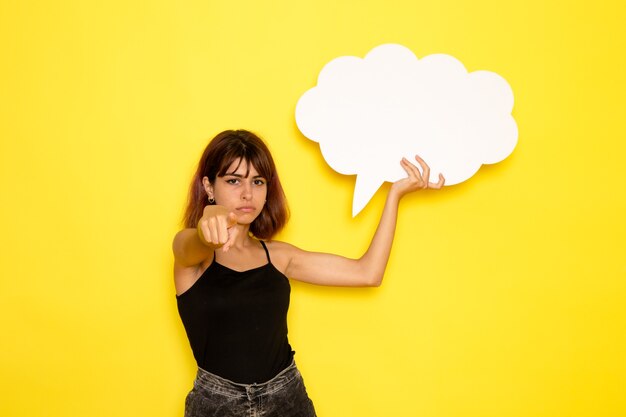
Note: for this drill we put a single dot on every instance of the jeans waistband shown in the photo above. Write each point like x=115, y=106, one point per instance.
x=223, y=386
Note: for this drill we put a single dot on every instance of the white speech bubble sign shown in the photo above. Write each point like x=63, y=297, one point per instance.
x=368, y=113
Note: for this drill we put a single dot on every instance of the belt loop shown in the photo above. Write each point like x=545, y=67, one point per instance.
x=250, y=391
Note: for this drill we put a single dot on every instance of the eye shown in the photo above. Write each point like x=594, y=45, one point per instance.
x=232, y=181
x=259, y=181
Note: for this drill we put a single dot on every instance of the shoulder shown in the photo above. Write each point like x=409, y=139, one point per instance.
x=191, y=258
x=281, y=253
x=281, y=248
x=278, y=245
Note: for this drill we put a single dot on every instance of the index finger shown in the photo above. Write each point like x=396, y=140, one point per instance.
x=425, y=168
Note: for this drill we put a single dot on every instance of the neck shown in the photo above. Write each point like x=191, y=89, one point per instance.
x=243, y=238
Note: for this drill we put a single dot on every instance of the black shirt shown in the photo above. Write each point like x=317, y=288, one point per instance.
x=236, y=322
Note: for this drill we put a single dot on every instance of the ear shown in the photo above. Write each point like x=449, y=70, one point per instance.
x=207, y=186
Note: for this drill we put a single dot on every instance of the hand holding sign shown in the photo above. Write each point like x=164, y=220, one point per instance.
x=367, y=114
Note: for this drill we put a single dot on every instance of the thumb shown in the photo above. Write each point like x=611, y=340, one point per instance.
x=231, y=220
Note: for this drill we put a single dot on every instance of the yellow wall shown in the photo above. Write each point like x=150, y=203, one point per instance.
x=505, y=295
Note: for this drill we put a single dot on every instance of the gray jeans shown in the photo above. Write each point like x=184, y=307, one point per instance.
x=284, y=396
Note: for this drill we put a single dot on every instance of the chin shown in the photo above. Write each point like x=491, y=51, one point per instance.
x=247, y=218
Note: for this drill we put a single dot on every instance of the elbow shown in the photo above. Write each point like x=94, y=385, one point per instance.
x=371, y=272
x=370, y=275
x=375, y=280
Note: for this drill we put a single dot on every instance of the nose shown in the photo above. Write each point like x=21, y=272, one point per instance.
x=246, y=192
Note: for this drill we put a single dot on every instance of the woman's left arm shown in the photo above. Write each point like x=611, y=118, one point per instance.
x=367, y=271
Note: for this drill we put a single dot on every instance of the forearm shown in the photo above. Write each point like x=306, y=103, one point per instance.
x=189, y=248
x=329, y=269
x=368, y=270
x=375, y=259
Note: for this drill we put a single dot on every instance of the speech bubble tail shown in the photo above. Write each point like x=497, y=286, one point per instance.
x=364, y=189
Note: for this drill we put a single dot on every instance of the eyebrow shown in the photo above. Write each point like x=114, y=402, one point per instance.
x=242, y=176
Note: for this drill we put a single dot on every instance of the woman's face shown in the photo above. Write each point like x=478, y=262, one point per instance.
x=242, y=194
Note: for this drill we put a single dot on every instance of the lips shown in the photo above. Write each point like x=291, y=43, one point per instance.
x=246, y=209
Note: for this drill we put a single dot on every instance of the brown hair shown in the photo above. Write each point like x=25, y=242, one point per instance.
x=220, y=153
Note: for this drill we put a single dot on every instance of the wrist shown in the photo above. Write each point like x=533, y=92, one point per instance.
x=201, y=235
x=394, y=197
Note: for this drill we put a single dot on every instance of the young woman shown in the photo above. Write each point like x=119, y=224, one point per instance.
x=231, y=278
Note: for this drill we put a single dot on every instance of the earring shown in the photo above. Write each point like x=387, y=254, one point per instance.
x=211, y=200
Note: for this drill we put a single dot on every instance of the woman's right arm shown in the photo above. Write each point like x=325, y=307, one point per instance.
x=194, y=247
x=215, y=229
x=189, y=254
x=189, y=249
